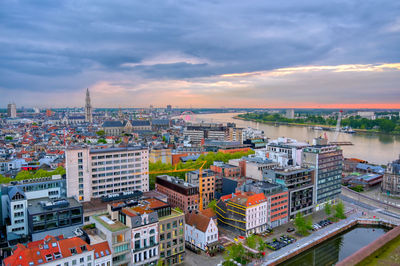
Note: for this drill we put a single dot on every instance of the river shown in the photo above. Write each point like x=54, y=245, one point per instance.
x=337, y=248
x=374, y=148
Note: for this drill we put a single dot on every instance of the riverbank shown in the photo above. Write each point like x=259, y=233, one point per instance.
x=366, y=131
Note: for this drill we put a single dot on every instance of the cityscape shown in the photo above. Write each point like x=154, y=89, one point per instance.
x=209, y=133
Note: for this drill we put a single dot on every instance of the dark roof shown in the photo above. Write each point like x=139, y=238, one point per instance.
x=140, y=123
x=160, y=122
x=112, y=124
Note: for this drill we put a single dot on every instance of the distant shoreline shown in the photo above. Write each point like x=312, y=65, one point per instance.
x=369, y=131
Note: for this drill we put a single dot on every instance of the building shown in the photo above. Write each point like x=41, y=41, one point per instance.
x=15, y=200
x=300, y=184
x=285, y=151
x=195, y=136
x=367, y=181
x=243, y=212
x=118, y=237
x=172, y=233
x=12, y=110
x=57, y=250
x=88, y=108
x=53, y=217
x=290, y=113
x=253, y=167
x=235, y=134
x=391, y=179
x=143, y=222
x=201, y=231
x=180, y=194
x=367, y=114
x=206, y=184
x=277, y=200
x=159, y=154
x=327, y=161
x=225, y=170
x=93, y=173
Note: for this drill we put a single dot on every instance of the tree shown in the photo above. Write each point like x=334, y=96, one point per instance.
x=9, y=138
x=328, y=209
x=213, y=205
x=102, y=141
x=101, y=133
x=302, y=224
x=23, y=175
x=236, y=252
x=339, y=210
x=251, y=241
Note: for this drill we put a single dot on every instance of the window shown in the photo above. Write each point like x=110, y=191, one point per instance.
x=81, y=260
x=89, y=258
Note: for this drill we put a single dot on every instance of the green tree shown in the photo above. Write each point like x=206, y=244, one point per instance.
x=103, y=141
x=100, y=133
x=339, y=210
x=236, y=252
x=301, y=224
x=252, y=240
x=213, y=205
x=328, y=209
x=23, y=175
x=9, y=138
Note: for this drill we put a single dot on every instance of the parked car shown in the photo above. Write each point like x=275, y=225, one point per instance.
x=290, y=229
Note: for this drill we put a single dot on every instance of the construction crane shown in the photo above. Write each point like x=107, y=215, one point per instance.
x=337, y=129
x=186, y=170
x=200, y=186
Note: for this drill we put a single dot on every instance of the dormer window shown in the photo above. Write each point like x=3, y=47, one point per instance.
x=83, y=248
x=49, y=257
x=73, y=250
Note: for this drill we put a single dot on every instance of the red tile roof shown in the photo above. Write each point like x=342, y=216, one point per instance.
x=101, y=249
x=198, y=221
x=245, y=198
x=35, y=252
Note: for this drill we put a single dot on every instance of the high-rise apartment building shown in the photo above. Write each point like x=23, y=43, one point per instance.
x=327, y=161
x=300, y=184
x=93, y=173
x=12, y=110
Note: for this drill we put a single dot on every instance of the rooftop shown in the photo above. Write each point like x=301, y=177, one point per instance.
x=42, y=205
x=174, y=214
x=113, y=226
x=117, y=149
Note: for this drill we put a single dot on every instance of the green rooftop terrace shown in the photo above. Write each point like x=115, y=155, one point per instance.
x=113, y=226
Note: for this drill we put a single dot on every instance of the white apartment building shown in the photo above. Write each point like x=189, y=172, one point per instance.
x=200, y=231
x=92, y=173
x=256, y=216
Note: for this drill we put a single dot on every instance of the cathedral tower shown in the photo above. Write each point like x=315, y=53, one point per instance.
x=88, y=108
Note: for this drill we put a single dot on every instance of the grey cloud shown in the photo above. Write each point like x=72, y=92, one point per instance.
x=41, y=40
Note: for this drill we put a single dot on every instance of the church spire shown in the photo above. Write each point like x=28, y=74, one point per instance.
x=88, y=108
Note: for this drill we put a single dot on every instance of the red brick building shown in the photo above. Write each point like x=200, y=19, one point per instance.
x=180, y=193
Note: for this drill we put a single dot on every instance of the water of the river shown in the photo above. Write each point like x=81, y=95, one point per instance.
x=337, y=248
x=375, y=148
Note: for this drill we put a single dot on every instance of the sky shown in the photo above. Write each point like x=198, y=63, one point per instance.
x=209, y=53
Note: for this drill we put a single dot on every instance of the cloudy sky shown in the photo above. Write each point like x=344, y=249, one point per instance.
x=205, y=53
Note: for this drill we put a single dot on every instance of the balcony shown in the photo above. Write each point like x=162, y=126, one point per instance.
x=146, y=247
